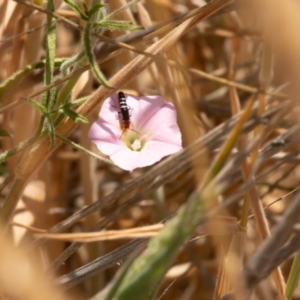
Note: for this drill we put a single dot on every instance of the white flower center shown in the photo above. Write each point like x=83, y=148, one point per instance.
x=136, y=145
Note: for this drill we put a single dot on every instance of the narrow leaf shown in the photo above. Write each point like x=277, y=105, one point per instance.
x=91, y=58
x=76, y=146
x=119, y=278
x=293, y=278
x=9, y=153
x=86, y=10
x=12, y=81
x=50, y=52
x=39, y=106
x=79, y=100
x=96, y=8
x=71, y=61
x=74, y=115
x=76, y=8
x=76, y=102
x=147, y=271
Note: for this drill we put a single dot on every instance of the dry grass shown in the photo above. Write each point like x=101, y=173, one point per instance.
x=209, y=63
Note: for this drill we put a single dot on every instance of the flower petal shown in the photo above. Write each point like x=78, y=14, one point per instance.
x=105, y=136
x=109, y=111
x=146, y=107
x=162, y=126
x=154, y=151
x=126, y=159
x=152, y=116
x=151, y=153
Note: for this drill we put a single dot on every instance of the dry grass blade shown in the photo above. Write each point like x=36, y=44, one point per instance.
x=137, y=232
x=267, y=251
x=103, y=262
x=172, y=165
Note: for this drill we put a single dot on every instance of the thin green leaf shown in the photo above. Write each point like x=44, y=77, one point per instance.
x=293, y=278
x=39, y=130
x=59, y=117
x=9, y=153
x=101, y=13
x=96, y=8
x=86, y=10
x=76, y=8
x=79, y=101
x=50, y=52
x=119, y=277
x=70, y=104
x=91, y=57
x=71, y=61
x=76, y=146
x=39, y=106
x=118, y=25
x=12, y=81
x=65, y=92
x=74, y=115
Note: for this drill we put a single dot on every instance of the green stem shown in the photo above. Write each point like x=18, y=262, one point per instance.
x=76, y=146
x=7, y=154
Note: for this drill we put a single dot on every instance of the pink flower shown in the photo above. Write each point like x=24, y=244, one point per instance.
x=152, y=134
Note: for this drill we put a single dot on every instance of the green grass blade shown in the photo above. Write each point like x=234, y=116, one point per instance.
x=293, y=277
x=117, y=281
x=147, y=271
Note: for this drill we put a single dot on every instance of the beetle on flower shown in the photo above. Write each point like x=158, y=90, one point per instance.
x=153, y=132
